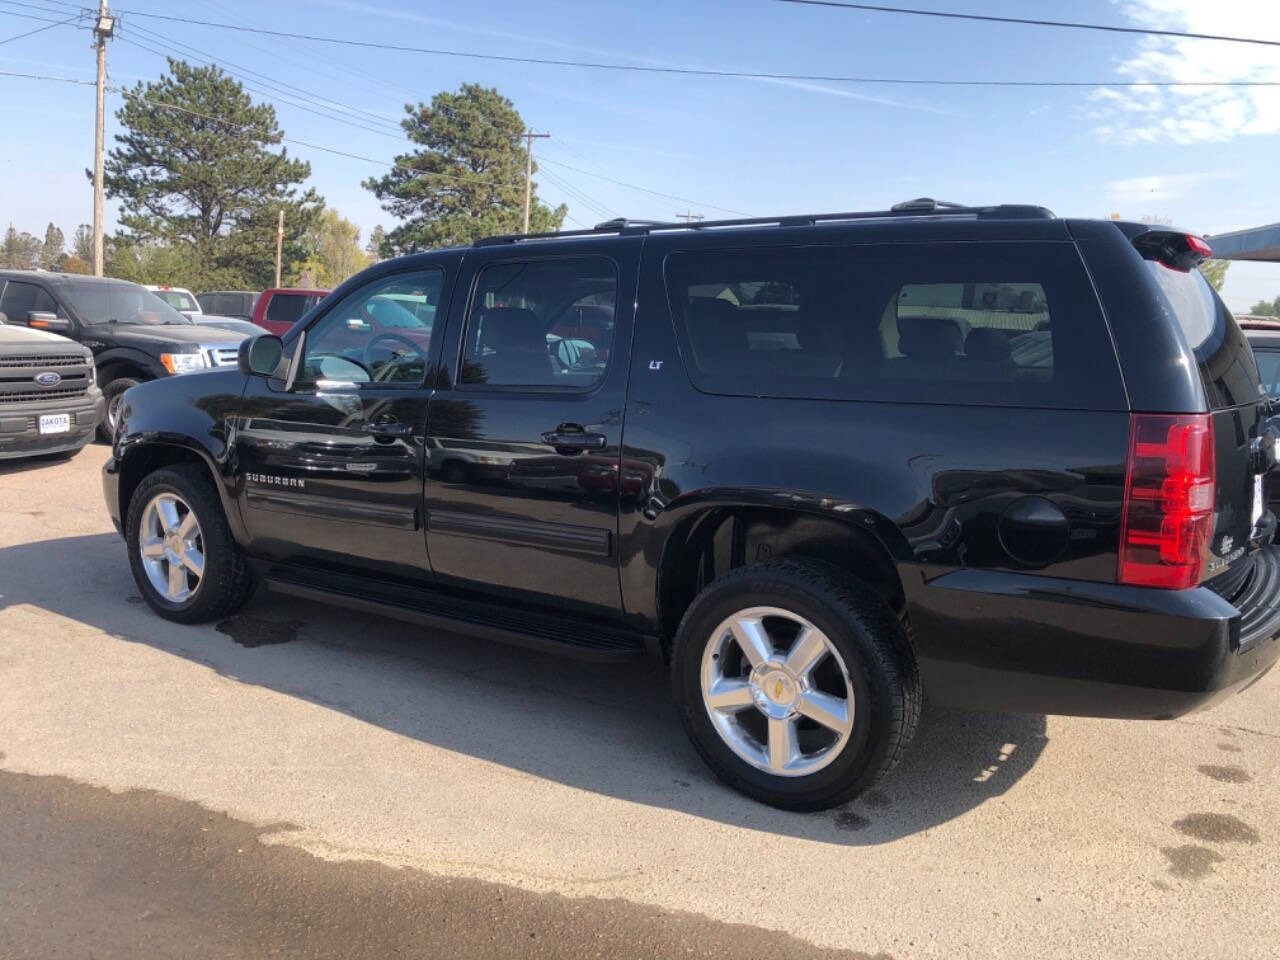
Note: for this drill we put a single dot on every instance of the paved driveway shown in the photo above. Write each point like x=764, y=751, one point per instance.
x=245, y=787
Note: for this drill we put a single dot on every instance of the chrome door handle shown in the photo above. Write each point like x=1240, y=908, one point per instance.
x=388, y=428
x=572, y=440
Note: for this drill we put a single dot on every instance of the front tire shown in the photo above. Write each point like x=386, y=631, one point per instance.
x=113, y=397
x=796, y=683
x=181, y=552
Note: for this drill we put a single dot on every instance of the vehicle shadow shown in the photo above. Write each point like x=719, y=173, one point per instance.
x=607, y=728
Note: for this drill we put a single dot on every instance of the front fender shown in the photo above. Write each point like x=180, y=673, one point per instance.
x=177, y=419
x=128, y=356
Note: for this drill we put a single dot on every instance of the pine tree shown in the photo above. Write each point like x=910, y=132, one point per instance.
x=467, y=180
x=195, y=172
x=51, y=251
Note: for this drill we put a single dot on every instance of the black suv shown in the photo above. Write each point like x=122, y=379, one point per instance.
x=820, y=464
x=133, y=334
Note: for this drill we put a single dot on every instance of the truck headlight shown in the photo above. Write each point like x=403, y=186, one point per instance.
x=183, y=362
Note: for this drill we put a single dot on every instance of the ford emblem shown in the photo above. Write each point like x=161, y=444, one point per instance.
x=48, y=378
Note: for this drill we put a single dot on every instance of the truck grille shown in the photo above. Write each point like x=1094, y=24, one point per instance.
x=223, y=355
x=43, y=361
x=18, y=373
x=30, y=396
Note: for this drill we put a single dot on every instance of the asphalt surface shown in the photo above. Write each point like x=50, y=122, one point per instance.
x=304, y=781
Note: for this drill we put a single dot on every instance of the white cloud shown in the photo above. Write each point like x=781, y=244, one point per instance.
x=1132, y=191
x=1149, y=114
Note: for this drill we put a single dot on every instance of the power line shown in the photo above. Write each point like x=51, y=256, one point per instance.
x=301, y=92
x=279, y=96
x=656, y=193
x=1067, y=24
x=47, y=26
x=702, y=72
x=32, y=16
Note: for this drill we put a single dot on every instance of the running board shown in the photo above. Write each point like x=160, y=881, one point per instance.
x=559, y=635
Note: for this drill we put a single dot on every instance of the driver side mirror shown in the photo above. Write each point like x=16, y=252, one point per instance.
x=43, y=320
x=260, y=356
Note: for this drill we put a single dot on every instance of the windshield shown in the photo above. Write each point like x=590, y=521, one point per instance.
x=178, y=299
x=119, y=302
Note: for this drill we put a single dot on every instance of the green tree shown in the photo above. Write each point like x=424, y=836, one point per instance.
x=73, y=264
x=19, y=251
x=377, y=238
x=51, y=251
x=195, y=173
x=82, y=243
x=467, y=179
x=335, y=250
x=1215, y=271
x=1266, y=308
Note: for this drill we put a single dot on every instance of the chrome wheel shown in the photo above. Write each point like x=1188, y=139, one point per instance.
x=777, y=691
x=113, y=412
x=172, y=547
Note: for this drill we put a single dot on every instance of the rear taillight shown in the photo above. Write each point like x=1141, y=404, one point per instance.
x=1168, y=500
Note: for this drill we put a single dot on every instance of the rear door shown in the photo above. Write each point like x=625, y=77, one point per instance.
x=525, y=431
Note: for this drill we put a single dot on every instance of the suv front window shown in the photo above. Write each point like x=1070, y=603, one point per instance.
x=96, y=303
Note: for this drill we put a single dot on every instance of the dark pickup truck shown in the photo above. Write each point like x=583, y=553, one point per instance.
x=819, y=465
x=49, y=403
x=133, y=334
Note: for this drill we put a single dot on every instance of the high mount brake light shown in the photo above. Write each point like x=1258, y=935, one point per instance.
x=1168, y=500
x=1169, y=248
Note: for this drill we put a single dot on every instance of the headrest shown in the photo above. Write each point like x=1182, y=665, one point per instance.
x=512, y=330
x=929, y=338
x=715, y=327
x=984, y=343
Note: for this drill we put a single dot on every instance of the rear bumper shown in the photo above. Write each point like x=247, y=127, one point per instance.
x=1010, y=641
x=19, y=426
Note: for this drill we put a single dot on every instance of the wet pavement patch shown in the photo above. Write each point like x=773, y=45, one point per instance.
x=1225, y=774
x=877, y=798
x=91, y=873
x=1191, y=862
x=846, y=820
x=256, y=632
x=1216, y=828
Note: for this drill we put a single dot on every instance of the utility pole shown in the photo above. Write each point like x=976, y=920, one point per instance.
x=279, y=243
x=530, y=136
x=689, y=217
x=103, y=31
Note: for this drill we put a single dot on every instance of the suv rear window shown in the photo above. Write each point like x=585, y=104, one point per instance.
x=289, y=307
x=932, y=322
x=1226, y=362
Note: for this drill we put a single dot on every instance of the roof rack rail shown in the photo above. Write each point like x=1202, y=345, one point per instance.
x=920, y=207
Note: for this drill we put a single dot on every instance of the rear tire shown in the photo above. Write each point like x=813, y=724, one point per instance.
x=831, y=677
x=181, y=552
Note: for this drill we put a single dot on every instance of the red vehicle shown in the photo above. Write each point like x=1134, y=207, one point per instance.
x=280, y=308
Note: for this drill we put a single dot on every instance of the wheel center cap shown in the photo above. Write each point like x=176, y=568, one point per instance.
x=777, y=688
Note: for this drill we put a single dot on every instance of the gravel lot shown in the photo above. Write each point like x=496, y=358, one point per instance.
x=317, y=783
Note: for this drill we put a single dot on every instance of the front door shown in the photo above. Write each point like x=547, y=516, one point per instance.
x=524, y=434
x=331, y=464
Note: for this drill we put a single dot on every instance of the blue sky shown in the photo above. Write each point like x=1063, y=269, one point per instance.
x=1207, y=159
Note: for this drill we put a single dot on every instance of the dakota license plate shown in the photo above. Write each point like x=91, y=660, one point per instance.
x=55, y=423
x=1258, y=502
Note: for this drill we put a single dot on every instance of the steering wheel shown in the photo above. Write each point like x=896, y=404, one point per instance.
x=395, y=337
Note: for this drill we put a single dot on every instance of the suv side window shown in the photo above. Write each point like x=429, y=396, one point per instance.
x=541, y=324
x=986, y=323
x=374, y=335
x=21, y=298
